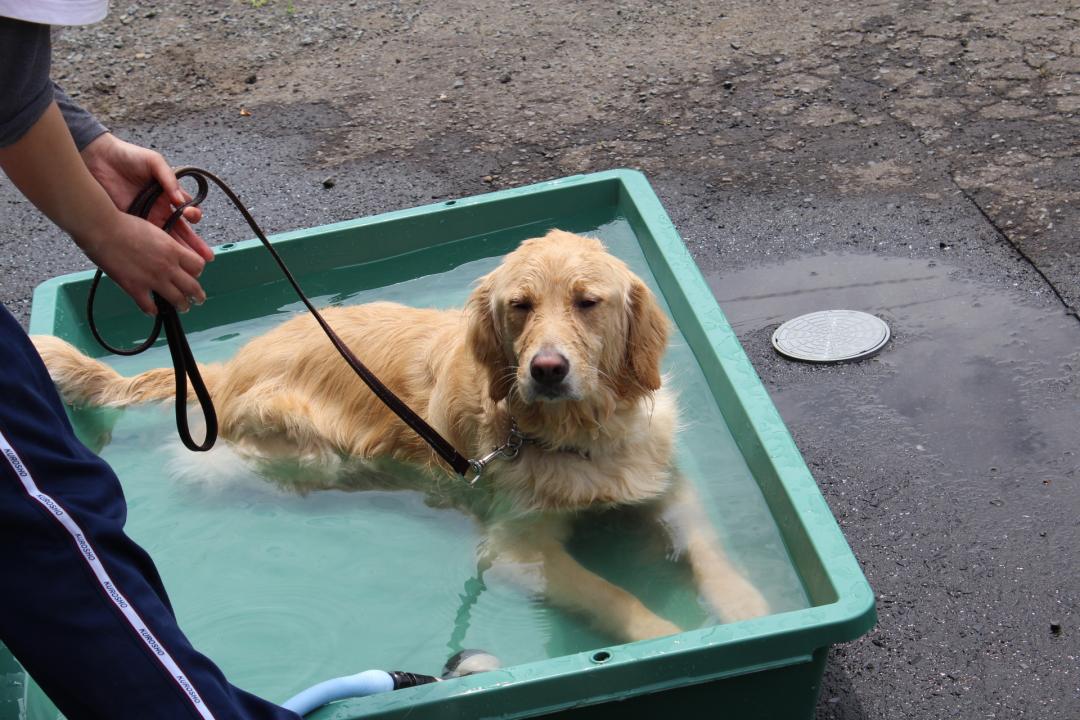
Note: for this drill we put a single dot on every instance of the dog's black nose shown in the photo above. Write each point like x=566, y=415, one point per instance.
x=549, y=368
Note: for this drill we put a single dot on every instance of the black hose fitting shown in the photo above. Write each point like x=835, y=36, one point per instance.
x=404, y=679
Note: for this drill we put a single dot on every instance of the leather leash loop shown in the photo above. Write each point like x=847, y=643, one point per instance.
x=184, y=365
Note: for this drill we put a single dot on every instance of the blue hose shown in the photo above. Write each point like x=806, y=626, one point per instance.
x=370, y=682
x=362, y=684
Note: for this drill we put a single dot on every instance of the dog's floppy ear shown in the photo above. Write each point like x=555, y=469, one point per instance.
x=482, y=337
x=646, y=340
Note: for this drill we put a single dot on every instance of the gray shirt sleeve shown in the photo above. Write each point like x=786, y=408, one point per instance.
x=26, y=90
x=84, y=127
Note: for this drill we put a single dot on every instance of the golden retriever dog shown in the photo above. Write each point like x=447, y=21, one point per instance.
x=561, y=339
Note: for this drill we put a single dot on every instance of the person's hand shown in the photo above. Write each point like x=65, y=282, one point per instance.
x=45, y=166
x=141, y=258
x=124, y=169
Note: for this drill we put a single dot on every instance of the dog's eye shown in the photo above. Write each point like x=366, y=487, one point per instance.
x=522, y=305
x=586, y=303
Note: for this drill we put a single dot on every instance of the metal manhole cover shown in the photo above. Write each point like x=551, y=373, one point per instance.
x=831, y=336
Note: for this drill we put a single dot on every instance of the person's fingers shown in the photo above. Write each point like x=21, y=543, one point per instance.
x=141, y=295
x=163, y=210
x=193, y=214
x=190, y=288
x=174, y=296
x=138, y=289
x=187, y=235
x=161, y=213
x=141, y=258
x=190, y=261
x=166, y=178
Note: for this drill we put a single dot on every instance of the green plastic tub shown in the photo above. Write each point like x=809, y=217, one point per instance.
x=284, y=587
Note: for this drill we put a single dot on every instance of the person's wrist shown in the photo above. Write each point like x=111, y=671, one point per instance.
x=96, y=229
x=98, y=148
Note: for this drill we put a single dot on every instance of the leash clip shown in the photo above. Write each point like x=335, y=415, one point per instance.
x=507, y=451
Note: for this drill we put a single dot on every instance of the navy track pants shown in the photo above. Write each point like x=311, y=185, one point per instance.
x=81, y=605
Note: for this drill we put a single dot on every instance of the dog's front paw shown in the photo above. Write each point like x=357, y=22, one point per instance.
x=737, y=600
x=750, y=605
x=651, y=626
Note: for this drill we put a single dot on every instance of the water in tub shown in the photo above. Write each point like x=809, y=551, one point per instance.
x=284, y=589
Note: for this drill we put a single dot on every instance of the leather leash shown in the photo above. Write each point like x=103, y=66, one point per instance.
x=184, y=364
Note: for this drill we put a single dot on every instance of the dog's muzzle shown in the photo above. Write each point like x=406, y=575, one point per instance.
x=549, y=370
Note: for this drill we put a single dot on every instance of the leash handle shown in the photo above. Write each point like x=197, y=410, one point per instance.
x=184, y=362
x=184, y=366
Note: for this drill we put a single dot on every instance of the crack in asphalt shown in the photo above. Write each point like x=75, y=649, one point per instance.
x=1069, y=309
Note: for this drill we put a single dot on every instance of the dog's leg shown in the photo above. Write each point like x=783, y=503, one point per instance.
x=730, y=595
x=270, y=423
x=538, y=544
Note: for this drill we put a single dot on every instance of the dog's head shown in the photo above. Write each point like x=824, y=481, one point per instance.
x=562, y=319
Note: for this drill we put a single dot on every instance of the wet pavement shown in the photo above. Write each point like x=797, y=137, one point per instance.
x=912, y=160
x=965, y=368
x=950, y=461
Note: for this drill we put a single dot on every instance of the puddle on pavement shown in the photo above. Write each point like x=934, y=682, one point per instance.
x=985, y=375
